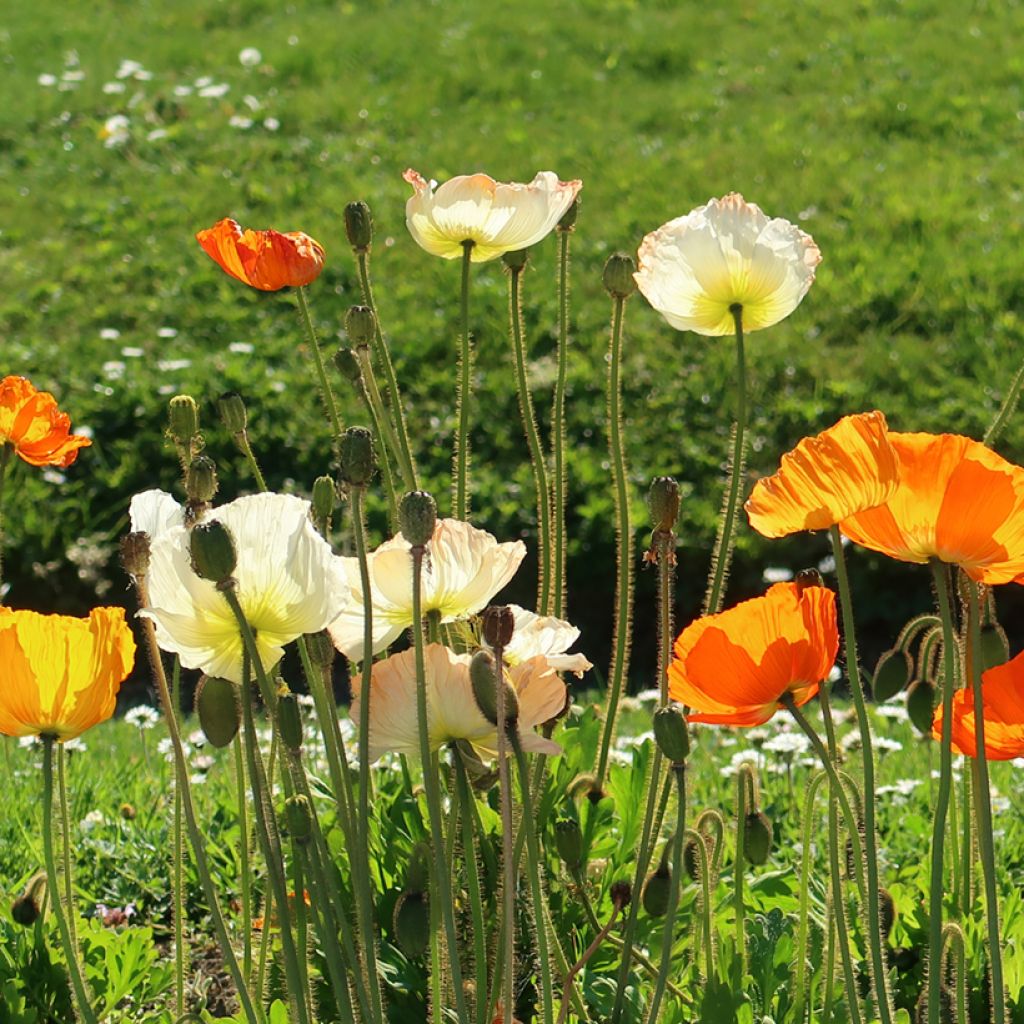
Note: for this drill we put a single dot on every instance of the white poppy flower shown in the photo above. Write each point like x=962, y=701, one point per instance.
x=452, y=713
x=153, y=512
x=726, y=253
x=464, y=568
x=544, y=636
x=496, y=217
x=289, y=583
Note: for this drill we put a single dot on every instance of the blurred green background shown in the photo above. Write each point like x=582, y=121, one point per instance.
x=891, y=131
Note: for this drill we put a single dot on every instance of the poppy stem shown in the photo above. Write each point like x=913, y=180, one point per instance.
x=318, y=362
x=65, y=841
x=802, y=932
x=1005, y=410
x=953, y=965
x=537, y=459
x=243, y=849
x=722, y=556
x=935, y=903
x=356, y=493
x=874, y=928
x=560, y=475
x=178, y=865
x=570, y=977
x=743, y=777
x=983, y=804
x=464, y=395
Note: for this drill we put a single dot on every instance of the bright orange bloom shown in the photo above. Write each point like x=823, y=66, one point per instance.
x=732, y=668
x=846, y=469
x=61, y=675
x=956, y=501
x=268, y=260
x=259, y=922
x=1002, y=694
x=37, y=429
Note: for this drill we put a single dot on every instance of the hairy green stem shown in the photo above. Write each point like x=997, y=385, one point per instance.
x=559, y=596
x=65, y=841
x=366, y=669
x=318, y=363
x=383, y=462
x=244, y=865
x=800, y=983
x=383, y=424
x=464, y=396
x=1005, y=410
x=744, y=784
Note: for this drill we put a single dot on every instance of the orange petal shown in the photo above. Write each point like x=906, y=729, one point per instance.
x=31, y=421
x=267, y=260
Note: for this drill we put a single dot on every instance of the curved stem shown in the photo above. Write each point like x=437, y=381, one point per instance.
x=561, y=479
x=800, y=982
x=540, y=473
x=983, y=806
x=724, y=544
x=1005, y=410
x=739, y=866
x=56, y=902
x=464, y=396
x=318, y=363
x=624, y=537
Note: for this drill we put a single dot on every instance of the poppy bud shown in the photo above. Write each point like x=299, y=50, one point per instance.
x=618, y=275
x=498, y=625
x=568, y=221
x=411, y=923
x=757, y=837
x=218, y=709
x=358, y=225
x=994, y=648
x=29, y=905
x=517, y=259
x=324, y=497
x=921, y=706
x=417, y=516
x=656, y=891
x=691, y=861
x=182, y=419
x=201, y=480
x=289, y=720
x=298, y=817
x=417, y=875
x=886, y=913
x=355, y=455
x=360, y=325
x=127, y=812
x=671, y=734
x=135, y=554
x=663, y=502
x=347, y=363
x=587, y=785
x=232, y=412
x=808, y=578
x=621, y=894
x=483, y=674
x=321, y=650
x=892, y=673
x=569, y=842
x=213, y=551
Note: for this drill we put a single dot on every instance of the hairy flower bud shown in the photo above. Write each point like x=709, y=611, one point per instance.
x=892, y=673
x=417, y=872
x=411, y=923
x=183, y=419
x=135, y=554
x=886, y=913
x=324, y=499
x=218, y=709
x=298, y=817
x=347, y=364
x=359, y=225
x=757, y=837
x=498, y=625
x=655, y=895
x=995, y=650
x=618, y=275
x=568, y=221
x=30, y=904
x=355, y=455
x=417, y=516
x=201, y=480
x=321, y=650
x=213, y=551
x=808, y=578
x=289, y=718
x=621, y=894
x=569, y=842
x=232, y=412
x=663, y=502
x=671, y=734
x=517, y=259
x=360, y=325
x=483, y=674
x=921, y=705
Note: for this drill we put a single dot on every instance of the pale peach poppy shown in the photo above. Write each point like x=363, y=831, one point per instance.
x=546, y=637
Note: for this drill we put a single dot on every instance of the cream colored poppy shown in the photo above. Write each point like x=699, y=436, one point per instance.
x=694, y=269
x=544, y=636
x=154, y=512
x=464, y=568
x=289, y=583
x=494, y=216
x=452, y=713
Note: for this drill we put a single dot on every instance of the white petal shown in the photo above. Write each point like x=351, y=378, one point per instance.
x=153, y=512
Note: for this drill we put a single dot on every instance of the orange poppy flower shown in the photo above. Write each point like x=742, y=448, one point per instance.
x=956, y=501
x=1002, y=696
x=268, y=260
x=259, y=922
x=61, y=674
x=734, y=667
x=845, y=469
x=33, y=425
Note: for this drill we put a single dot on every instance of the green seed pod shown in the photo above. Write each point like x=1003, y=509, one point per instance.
x=135, y=554
x=355, y=455
x=621, y=893
x=808, y=578
x=201, y=479
x=412, y=923
x=213, y=551
x=618, y=275
x=568, y=221
x=218, y=709
x=569, y=842
x=417, y=516
x=995, y=650
x=360, y=325
x=358, y=225
x=483, y=675
x=232, y=412
x=656, y=892
x=516, y=260
x=892, y=673
x=321, y=650
x=182, y=419
x=324, y=498
x=498, y=625
x=886, y=913
x=663, y=503
x=671, y=734
x=757, y=837
x=289, y=718
x=921, y=705
x=298, y=818
x=347, y=363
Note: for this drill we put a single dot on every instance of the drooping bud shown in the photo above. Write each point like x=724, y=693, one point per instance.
x=183, y=420
x=218, y=709
x=656, y=891
x=298, y=817
x=289, y=717
x=324, y=498
x=213, y=551
x=498, y=625
x=757, y=837
x=671, y=734
x=355, y=456
x=516, y=260
x=347, y=364
x=359, y=225
x=201, y=480
x=321, y=650
x=417, y=517
x=995, y=650
x=808, y=578
x=232, y=412
x=568, y=221
x=569, y=842
x=691, y=862
x=663, y=502
x=618, y=275
x=921, y=706
x=483, y=674
x=360, y=325
x=135, y=554
x=31, y=903
x=886, y=913
x=127, y=812
x=621, y=893
x=892, y=673
x=411, y=923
